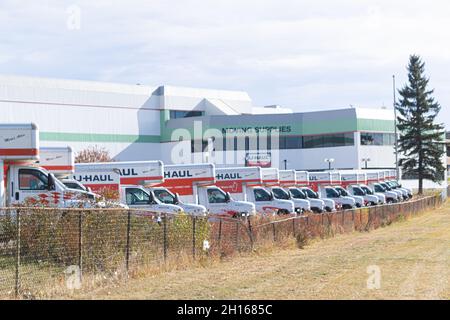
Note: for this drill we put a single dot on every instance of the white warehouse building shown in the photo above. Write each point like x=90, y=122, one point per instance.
x=179, y=124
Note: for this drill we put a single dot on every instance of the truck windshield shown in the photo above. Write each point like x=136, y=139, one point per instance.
x=73, y=185
x=216, y=196
x=280, y=194
x=332, y=193
x=386, y=186
x=165, y=196
x=32, y=179
x=297, y=193
x=391, y=184
x=379, y=188
x=262, y=195
x=357, y=191
x=136, y=196
x=342, y=191
x=367, y=190
x=310, y=194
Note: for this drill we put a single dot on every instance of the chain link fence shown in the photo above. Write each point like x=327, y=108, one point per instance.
x=48, y=252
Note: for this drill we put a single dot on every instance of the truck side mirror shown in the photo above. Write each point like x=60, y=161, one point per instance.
x=51, y=182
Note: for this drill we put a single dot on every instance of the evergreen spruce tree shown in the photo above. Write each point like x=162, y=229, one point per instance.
x=420, y=142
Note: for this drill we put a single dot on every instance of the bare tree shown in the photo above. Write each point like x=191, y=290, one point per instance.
x=93, y=154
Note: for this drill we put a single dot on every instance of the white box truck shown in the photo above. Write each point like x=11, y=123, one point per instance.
x=322, y=182
x=288, y=184
x=302, y=180
x=133, y=176
x=373, y=181
x=23, y=181
x=352, y=182
x=246, y=184
x=195, y=183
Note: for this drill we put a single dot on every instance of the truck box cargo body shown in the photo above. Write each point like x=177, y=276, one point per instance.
x=323, y=182
x=246, y=183
x=129, y=178
x=195, y=183
x=57, y=160
x=24, y=182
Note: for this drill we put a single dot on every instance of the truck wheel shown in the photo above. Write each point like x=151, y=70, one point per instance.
x=389, y=201
x=373, y=203
x=282, y=211
x=328, y=209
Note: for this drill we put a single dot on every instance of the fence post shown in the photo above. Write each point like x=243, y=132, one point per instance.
x=274, y=232
x=127, y=254
x=250, y=230
x=220, y=234
x=293, y=227
x=80, y=244
x=165, y=237
x=237, y=235
x=17, y=274
x=194, y=220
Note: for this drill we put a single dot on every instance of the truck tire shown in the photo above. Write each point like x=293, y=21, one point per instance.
x=282, y=211
x=328, y=209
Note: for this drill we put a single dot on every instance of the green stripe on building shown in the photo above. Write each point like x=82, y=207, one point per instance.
x=98, y=137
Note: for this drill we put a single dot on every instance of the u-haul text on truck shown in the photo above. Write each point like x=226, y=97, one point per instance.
x=246, y=183
x=195, y=183
x=133, y=176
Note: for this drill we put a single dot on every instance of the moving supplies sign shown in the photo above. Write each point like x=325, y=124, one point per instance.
x=263, y=160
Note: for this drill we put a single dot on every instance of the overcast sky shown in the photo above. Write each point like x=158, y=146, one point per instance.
x=305, y=55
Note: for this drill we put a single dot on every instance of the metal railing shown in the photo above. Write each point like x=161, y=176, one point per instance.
x=48, y=252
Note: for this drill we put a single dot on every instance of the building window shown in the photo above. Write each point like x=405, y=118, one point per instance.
x=177, y=114
x=377, y=139
x=328, y=140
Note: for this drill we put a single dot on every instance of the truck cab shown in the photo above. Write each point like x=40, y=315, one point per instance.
x=380, y=197
x=329, y=204
x=391, y=197
x=137, y=197
x=196, y=184
x=343, y=202
x=167, y=197
x=39, y=187
x=359, y=199
x=246, y=184
x=357, y=190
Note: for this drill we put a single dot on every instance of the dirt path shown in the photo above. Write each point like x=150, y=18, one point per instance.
x=413, y=258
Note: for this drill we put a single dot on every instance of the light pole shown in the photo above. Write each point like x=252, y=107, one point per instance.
x=330, y=161
x=366, y=160
x=395, y=129
x=285, y=164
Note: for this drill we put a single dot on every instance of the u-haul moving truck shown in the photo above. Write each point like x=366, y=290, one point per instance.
x=22, y=179
x=353, y=181
x=323, y=182
x=133, y=176
x=373, y=181
x=302, y=180
x=246, y=183
x=391, y=180
x=195, y=183
x=271, y=180
x=288, y=187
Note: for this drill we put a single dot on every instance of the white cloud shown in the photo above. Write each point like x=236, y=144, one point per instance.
x=302, y=54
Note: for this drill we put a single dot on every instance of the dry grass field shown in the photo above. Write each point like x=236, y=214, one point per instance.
x=413, y=258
